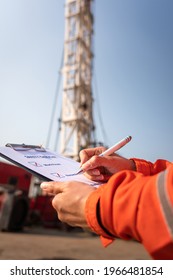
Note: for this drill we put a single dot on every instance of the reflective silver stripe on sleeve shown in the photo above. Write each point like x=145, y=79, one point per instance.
x=165, y=202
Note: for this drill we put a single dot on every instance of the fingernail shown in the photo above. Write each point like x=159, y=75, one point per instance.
x=96, y=172
x=43, y=185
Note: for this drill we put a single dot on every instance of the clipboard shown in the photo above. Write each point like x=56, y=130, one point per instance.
x=43, y=163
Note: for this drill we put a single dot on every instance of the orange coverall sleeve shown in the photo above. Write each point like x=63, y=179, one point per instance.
x=138, y=206
x=149, y=168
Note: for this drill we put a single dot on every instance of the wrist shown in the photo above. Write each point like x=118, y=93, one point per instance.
x=132, y=165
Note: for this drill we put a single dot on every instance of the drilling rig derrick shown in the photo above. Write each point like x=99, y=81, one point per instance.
x=76, y=122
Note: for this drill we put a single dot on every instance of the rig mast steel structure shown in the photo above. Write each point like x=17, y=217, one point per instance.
x=76, y=122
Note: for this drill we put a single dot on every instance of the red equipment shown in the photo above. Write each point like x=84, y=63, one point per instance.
x=21, y=200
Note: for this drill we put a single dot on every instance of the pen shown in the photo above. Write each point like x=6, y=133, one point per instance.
x=116, y=147
x=113, y=149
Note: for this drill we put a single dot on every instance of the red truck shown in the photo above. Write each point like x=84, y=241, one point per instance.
x=22, y=202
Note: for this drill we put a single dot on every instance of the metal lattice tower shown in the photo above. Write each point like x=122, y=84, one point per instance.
x=77, y=127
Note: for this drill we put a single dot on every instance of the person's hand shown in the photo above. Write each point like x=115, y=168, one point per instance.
x=98, y=168
x=69, y=201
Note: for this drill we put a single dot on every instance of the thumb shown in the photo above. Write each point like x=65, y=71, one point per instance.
x=52, y=187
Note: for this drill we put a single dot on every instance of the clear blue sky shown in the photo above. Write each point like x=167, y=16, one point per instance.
x=133, y=70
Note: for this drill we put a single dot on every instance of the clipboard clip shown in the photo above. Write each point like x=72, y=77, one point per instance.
x=23, y=147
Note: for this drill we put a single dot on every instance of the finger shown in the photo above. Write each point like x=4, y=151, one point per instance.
x=96, y=178
x=52, y=187
x=44, y=192
x=94, y=163
x=83, y=156
x=94, y=172
x=86, y=154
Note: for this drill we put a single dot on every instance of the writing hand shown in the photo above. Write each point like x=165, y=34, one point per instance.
x=98, y=168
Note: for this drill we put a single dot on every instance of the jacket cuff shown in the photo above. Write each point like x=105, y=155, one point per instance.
x=142, y=166
x=92, y=216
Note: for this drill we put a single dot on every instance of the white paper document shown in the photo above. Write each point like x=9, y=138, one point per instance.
x=45, y=164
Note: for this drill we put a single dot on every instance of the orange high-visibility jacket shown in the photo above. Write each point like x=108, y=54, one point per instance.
x=136, y=204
